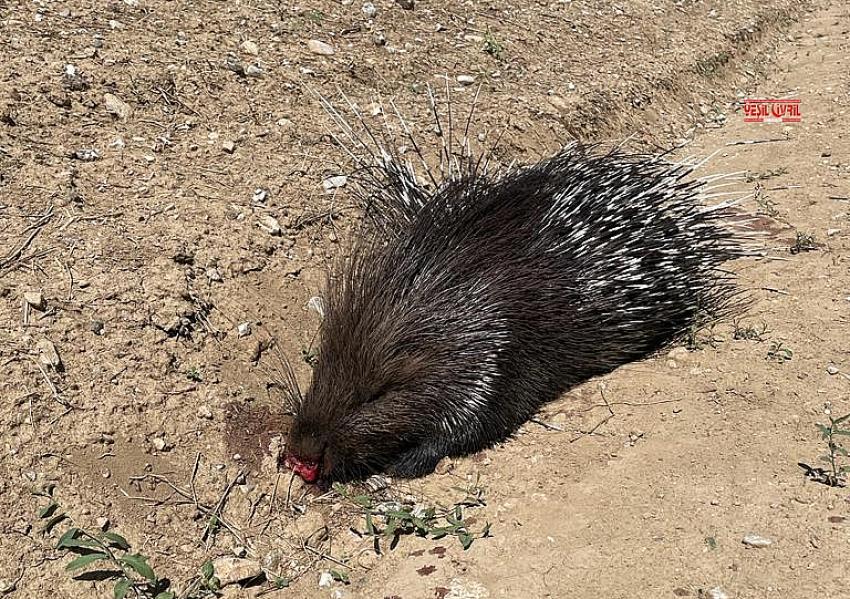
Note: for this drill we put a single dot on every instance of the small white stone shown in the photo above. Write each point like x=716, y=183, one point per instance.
x=832, y=369
x=832, y=232
x=369, y=10
x=319, y=47
x=243, y=329
x=213, y=274
x=754, y=540
x=230, y=570
x=260, y=196
x=113, y=24
x=326, y=579
x=228, y=146
x=717, y=593
x=159, y=443
x=116, y=106
x=47, y=354
x=336, y=182
x=465, y=79
x=269, y=224
x=205, y=412
x=317, y=305
x=250, y=47
x=102, y=523
x=35, y=299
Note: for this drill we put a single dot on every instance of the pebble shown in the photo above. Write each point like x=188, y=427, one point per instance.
x=269, y=224
x=253, y=70
x=228, y=146
x=47, y=354
x=96, y=327
x=116, y=106
x=319, y=47
x=465, y=79
x=102, y=523
x=832, y=232
x=35, y=299
x=754, y=540
x=231, y=570
x=159, y=444
x=716, y=593
x=86, y=155
x=213, y=274
x=243, y=329
x=832, y=369
x=369, y=10
x=113, y=24
x=205, y=412
x=250, y=47
x=326, y=579
x=7, y=586
x=317, y=305
x=260, y=196
x=336, y=182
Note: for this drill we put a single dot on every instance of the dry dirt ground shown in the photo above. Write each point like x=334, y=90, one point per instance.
x=149, y=254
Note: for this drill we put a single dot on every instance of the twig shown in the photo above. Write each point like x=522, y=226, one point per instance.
x=35, y=230
x=747, y=142
x=53, y=389
x=321, y=555
x=774, y=290
x=601, y=422
x=546, y=425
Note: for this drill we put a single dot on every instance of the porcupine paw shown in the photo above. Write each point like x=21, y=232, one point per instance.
x=416, y=462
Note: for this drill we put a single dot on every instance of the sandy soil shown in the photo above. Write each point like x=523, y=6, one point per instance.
x=149, y=256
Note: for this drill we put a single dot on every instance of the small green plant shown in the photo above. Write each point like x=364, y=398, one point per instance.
x=390, y=521
x=493, y=47
x=834, y=449
x=698, y=336
x=779, y=352
x=768, y=174
x=194, y=374
x=748, y=332
x=316, y=16
x=766, y=206
x=106, y=555
x=804, y=242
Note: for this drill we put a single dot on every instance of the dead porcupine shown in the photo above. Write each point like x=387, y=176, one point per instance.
x=471, y=302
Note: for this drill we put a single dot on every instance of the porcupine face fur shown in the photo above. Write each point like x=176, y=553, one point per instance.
x=477, y=304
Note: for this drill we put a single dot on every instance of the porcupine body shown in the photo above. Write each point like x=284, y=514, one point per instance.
x=475, y=304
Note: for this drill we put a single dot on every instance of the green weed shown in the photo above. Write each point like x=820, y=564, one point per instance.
x=388, y=521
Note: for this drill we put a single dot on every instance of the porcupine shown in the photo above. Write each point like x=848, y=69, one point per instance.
x=476, y=300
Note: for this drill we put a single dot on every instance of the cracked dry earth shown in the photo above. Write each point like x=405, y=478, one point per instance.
x=137, y=265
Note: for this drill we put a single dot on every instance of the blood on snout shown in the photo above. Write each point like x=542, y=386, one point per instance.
x=306, y=469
